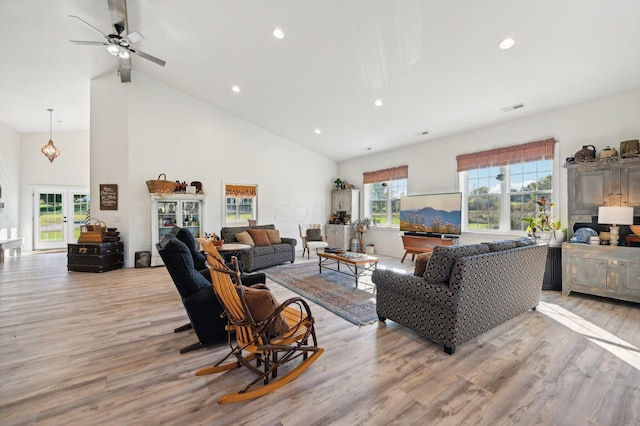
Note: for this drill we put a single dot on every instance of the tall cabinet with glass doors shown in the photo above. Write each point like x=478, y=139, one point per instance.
x=171, y=210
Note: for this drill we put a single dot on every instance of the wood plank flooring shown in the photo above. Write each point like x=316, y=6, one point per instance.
x=84, y=348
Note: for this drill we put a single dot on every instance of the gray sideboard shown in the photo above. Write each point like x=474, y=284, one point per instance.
x=609, y=271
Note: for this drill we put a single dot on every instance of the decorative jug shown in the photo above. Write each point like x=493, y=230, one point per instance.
x=588, y=152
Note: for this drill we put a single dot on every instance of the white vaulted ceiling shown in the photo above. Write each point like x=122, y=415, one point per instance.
x=435, y=65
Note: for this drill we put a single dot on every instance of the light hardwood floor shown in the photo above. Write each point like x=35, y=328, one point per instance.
x=83, y=348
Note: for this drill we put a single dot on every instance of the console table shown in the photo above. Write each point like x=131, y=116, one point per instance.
x=416, y=244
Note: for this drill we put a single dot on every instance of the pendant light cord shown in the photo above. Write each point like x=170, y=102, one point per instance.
x=50, y=124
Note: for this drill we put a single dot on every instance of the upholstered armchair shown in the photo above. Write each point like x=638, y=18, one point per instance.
x=312, y=238
x=194, y=285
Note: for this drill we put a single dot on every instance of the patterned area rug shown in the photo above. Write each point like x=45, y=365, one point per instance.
x=332, y=290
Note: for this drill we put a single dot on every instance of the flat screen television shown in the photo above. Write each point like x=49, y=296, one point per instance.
x=431, y=213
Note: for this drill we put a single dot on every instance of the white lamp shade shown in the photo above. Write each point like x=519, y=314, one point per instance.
x=615, y=215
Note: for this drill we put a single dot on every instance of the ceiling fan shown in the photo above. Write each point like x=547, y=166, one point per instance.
x=120, y=45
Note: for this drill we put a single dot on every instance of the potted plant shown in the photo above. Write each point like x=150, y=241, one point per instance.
x=541, y=225
x=338, y=183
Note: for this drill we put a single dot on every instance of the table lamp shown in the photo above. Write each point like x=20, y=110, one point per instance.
x=614, y=216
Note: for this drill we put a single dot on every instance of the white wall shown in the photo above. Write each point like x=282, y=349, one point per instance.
x=9, y=181
x=71, y=168
x=145, y=128
x=432, y=165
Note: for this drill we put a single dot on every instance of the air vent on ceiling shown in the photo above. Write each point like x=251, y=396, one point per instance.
x=513, y=107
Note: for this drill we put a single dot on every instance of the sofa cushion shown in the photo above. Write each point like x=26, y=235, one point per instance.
x=282, y=248
x=259, y=237
x=443, y=257
x=274, y=236
x=501, y=245
x=245, y=238
x=314, y=234
x=262, y=304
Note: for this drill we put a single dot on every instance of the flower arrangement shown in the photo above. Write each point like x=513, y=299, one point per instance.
x=543, y=220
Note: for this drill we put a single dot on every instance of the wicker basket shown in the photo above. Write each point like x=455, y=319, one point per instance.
x=92, y=232
x=161, y=186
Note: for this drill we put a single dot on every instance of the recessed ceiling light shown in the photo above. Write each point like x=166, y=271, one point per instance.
x=278, y=33
x=507, y=43
x=317, y=131
x=378, y=102
x=235, y=88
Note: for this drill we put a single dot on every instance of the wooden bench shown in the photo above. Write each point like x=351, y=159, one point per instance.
x=414, y=244
x=13, y=244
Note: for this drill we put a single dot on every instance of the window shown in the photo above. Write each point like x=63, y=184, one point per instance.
x=501, y=187
x=499, y=198
x=382, y=192
x=240, y=204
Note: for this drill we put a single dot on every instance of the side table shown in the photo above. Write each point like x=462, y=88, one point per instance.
x=553, y=271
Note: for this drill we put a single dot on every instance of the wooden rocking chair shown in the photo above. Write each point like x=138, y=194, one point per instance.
x=255, y=338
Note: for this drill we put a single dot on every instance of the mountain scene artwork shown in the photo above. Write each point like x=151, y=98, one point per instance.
x=428, y=219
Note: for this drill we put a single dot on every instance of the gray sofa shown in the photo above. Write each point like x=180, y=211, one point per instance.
x=465, y=291
x=264, y=256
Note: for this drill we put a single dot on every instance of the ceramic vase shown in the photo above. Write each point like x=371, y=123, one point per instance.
x=557, y=239
x=543, y=237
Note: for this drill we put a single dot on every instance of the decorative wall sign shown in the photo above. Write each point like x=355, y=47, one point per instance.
x=109, y=196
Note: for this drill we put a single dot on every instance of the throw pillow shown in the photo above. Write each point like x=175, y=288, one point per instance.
x=421, y=264
x=525, y=241
x=314, y=234
x=274, y=236
x=259, y=237
x=262, y=304
x=443, y=257
x=245, y=238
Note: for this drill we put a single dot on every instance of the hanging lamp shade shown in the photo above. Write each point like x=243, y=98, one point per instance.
x=50, y=150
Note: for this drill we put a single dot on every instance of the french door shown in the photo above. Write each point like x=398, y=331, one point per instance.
x=58, y=213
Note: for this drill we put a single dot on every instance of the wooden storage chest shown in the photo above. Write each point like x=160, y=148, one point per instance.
x=95, y=257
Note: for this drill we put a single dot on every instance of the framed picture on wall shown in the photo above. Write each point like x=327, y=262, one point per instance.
x=109, y=196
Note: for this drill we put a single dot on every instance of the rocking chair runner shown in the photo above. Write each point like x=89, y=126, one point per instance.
x=256, y=338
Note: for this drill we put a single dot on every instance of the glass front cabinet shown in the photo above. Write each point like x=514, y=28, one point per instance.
x=170, y=210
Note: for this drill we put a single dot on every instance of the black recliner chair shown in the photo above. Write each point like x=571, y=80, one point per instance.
x=187, y=269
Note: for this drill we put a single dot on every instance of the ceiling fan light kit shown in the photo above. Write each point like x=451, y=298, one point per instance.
x=50, y=150
x=118, y=51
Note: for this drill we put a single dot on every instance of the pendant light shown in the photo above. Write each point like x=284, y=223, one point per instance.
x=50, y=150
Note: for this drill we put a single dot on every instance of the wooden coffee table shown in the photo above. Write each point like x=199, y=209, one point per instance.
x=355, y=266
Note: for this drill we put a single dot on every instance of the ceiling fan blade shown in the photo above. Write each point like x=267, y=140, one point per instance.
x=124, y=69
x=148, y=57
x=82, y=20
x=133, y=37
x=92, y=43
x=118, y=11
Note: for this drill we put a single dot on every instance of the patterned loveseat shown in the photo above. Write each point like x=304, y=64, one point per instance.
x=465, y=291
x=277, y=251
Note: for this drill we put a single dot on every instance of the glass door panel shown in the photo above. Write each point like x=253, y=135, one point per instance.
x=167, y=217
